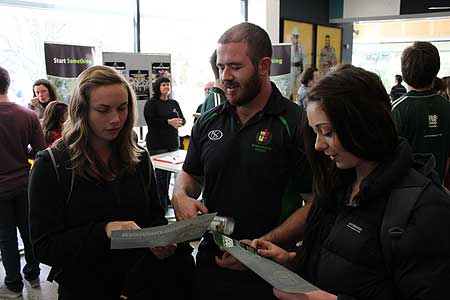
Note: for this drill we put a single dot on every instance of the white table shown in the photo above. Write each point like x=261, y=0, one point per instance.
x=176, y=156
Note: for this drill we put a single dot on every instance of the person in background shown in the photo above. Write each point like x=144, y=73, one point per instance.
x=208, y=87
x=439, y=86
x=52, y=122
x=446, y=80
x=246, y=153
x=327, y=57
x=44, y=92
x=216, y=94
x=358, y=162
x=308, y=78
x=422, y=116
x=163, y=116
x=298, y=59
x=104, y=183
x=19, y=129
x=398, y=89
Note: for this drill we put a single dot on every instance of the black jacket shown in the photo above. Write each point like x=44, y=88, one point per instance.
x=344, y=255
x=71, y=238
x=160, y=134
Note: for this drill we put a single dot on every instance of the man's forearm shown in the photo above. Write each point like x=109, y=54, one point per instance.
x=188, y=184
x=291, y=230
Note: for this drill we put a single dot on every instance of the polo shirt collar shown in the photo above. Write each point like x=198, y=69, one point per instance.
x=218, y=91
x=422, y=93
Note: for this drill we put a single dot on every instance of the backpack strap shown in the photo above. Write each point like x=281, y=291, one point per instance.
x=150, y=169
x=145, y=177
x=397, y=213
x=57, y=165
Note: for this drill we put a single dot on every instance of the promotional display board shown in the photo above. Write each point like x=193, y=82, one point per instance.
x=141, y=70
x=280, y=71
x=300, y=35
x=64, y=63
x=328, y=48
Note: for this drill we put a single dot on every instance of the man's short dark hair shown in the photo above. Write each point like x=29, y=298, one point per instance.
x=213, y=62
x=4, y=81
x=308, y=75
x=420, y=64
x=257, y=39
x=398, y=78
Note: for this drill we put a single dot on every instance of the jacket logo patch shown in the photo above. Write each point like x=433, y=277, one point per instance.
x=354, y=227
x=215, y=135
x=432, y=121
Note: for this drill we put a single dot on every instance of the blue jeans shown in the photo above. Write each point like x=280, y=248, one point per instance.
x=14, y=214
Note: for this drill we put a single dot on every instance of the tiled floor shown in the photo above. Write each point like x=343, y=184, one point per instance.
x=47, y=290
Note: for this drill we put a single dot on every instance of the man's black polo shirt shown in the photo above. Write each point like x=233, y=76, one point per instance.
x=423, y=118
x=247, y=168
x=397, y=91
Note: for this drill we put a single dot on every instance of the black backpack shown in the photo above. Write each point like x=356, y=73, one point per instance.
x=401, y=202
x=399, y=207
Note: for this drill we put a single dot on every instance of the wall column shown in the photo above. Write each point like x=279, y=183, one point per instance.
x=266, y=13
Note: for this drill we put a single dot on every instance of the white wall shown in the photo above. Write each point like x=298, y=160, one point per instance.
x=371, y=8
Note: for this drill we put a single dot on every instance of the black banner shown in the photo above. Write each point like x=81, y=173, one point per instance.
x=281, y=60
x=160, y=69
x=67, y=61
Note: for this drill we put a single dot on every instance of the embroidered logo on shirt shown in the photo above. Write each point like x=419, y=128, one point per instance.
x=215, y=135
x=264, y=137
x=432, y=121
x=354, y=227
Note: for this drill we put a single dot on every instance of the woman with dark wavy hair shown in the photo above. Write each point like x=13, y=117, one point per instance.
x=358, y=162
x=44, y=92
x=163, y=116
x=101, y=181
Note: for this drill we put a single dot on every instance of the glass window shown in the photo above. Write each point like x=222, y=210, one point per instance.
x=105, y=24
x=188, y=30
x=378, y=46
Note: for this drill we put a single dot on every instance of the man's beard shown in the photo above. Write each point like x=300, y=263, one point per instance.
x=248, y=90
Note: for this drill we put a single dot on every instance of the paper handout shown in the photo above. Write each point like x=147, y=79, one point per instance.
x=176, y=158
x=162, y=235
x=272, y=272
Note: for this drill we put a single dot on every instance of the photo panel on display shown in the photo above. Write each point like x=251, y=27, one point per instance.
x=300, y=36
x=328, y=48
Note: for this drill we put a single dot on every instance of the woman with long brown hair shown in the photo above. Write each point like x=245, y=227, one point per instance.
x=101, y=181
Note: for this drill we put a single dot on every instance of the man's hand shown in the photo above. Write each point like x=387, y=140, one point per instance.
x=163, y=252
x=120, y=225
x=186, y=207
x=227, y=261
